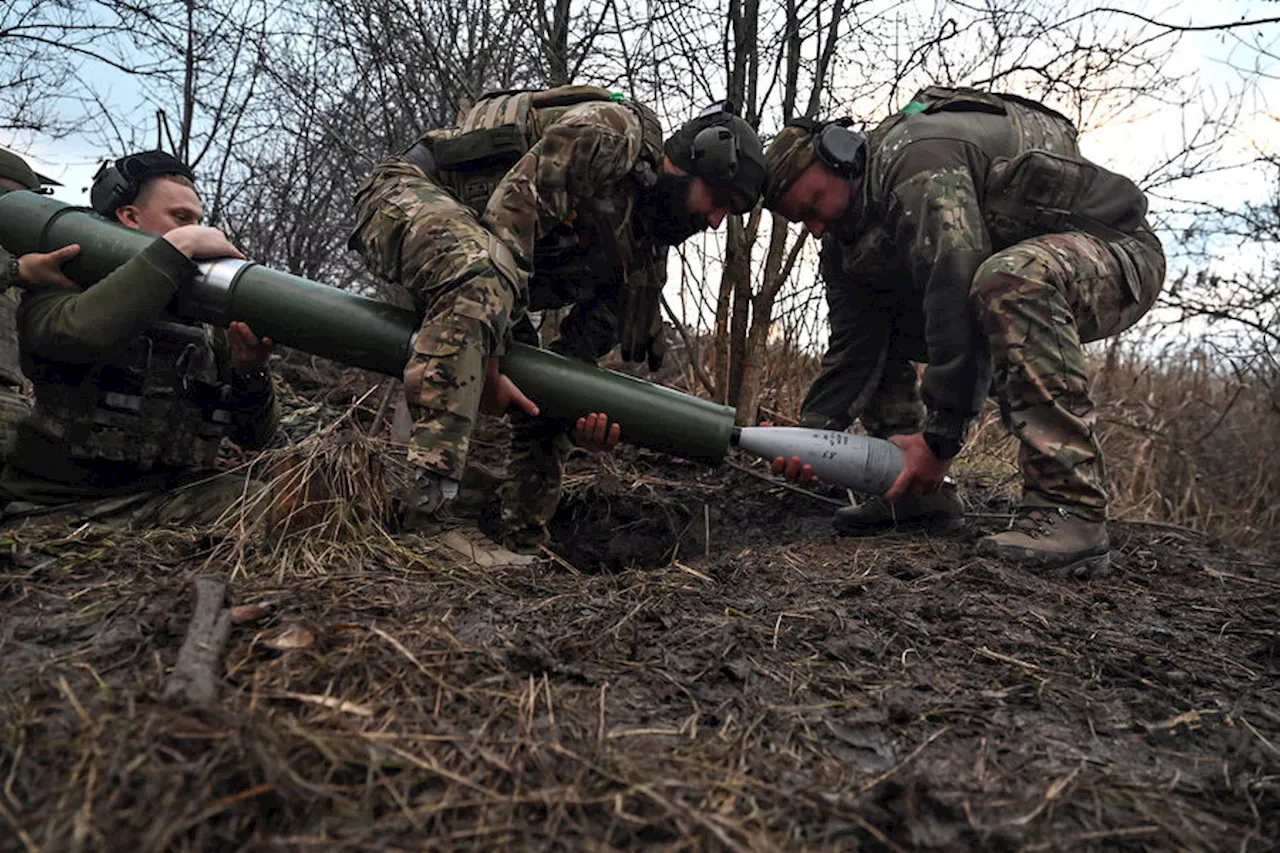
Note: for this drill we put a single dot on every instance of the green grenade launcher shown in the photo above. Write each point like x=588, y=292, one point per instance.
x=363, y=332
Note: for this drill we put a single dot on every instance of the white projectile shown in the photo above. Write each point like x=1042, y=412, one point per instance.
x=858, y=462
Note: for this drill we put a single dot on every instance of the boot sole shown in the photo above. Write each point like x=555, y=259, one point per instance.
x=933, y=527
x=1090, y=567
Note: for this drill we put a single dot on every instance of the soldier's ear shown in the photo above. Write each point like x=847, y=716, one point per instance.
x=128, y=215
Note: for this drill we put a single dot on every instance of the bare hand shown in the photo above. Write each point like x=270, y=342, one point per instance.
x=45, y=270
x=199, y=242
x=794, y=470
x=922, y=472
x=249, y=354
x=595, y=434
x=500, y=393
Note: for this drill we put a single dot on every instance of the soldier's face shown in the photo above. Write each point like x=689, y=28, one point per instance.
x=162, y=205
x=705, y=202
x=818, y=198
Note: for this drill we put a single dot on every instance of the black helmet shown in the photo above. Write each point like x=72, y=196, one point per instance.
x=118, y=183
x=724, y=151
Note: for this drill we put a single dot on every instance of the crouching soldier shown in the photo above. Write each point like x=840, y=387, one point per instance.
x=538, y=200
x=967, y=233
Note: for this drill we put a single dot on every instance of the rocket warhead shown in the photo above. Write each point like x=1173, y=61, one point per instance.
x=858, y=462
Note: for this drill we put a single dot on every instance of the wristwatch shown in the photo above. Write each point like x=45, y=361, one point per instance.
x=942, y=447
x=12, y=273
x=255, y=382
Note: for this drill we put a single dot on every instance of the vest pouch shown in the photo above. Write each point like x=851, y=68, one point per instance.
x=1039, y=192
x=488, y=148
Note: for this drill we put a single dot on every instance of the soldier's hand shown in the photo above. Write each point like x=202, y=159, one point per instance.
x=794, y=470
x=594, y=433
x=922, y=472
x=500, y=393
x=199, y=242
x=45, y=269
x=249, y=353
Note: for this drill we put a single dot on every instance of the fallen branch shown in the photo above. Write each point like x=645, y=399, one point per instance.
x=194, y=678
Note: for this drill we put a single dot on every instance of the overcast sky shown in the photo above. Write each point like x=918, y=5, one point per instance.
x=1130, y=144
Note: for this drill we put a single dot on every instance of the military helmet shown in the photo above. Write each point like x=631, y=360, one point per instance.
x=803, y=142
x=118, y=183
x=722, y=149
x=15, y=169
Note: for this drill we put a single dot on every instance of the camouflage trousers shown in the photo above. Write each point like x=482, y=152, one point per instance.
x=1038, y=302
x=533, y=465
x=201, y=501
x=534, y=473
x=14, y=409
x=463, y=282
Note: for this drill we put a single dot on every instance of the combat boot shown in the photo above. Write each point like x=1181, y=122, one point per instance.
x=1054, y=541
x=526, y=539
x=939, y=512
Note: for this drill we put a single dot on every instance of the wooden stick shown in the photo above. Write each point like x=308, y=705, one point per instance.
x=195, y=678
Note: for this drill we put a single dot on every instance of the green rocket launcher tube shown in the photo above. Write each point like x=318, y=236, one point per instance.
x=366, y=333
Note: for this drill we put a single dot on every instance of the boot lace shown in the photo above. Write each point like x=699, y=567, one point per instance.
x=1036, y=521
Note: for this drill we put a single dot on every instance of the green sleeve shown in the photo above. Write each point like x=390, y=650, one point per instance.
x=78, y=327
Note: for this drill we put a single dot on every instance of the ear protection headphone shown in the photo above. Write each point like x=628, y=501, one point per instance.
x=715, y=148
x=840, y=149
x=726, y=152
x=117, y=184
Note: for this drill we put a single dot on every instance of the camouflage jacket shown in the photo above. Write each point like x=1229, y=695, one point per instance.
x=10, y=368
x=126, y=398
x=917, y=234
x=567, y=211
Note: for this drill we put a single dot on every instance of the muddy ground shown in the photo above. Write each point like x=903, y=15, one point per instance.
x=704, y=667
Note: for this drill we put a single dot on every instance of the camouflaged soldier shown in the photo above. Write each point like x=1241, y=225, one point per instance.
x=15, y=174
x=132, y=403
x=967, y=233
x=538, y=200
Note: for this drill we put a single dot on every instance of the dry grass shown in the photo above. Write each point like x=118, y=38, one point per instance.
x=329, y=498
x=1189, y=437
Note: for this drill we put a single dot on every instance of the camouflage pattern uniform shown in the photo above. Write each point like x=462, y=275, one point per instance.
x=477, y=249
x=14, y=404
x=931, y=264
x=131, y=406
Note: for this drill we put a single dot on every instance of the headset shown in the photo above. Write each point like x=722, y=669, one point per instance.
x=840, y=149
x=717, y=154
x=117, y=184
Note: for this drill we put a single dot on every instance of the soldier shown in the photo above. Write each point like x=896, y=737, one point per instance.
x=131, y=403
x=537, y=200
x=15, y=174
x=967, y=233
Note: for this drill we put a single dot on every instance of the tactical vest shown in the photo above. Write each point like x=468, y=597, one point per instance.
x=160, y=401
x=1046, y=186
x=502, y=126
x=602, y=249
